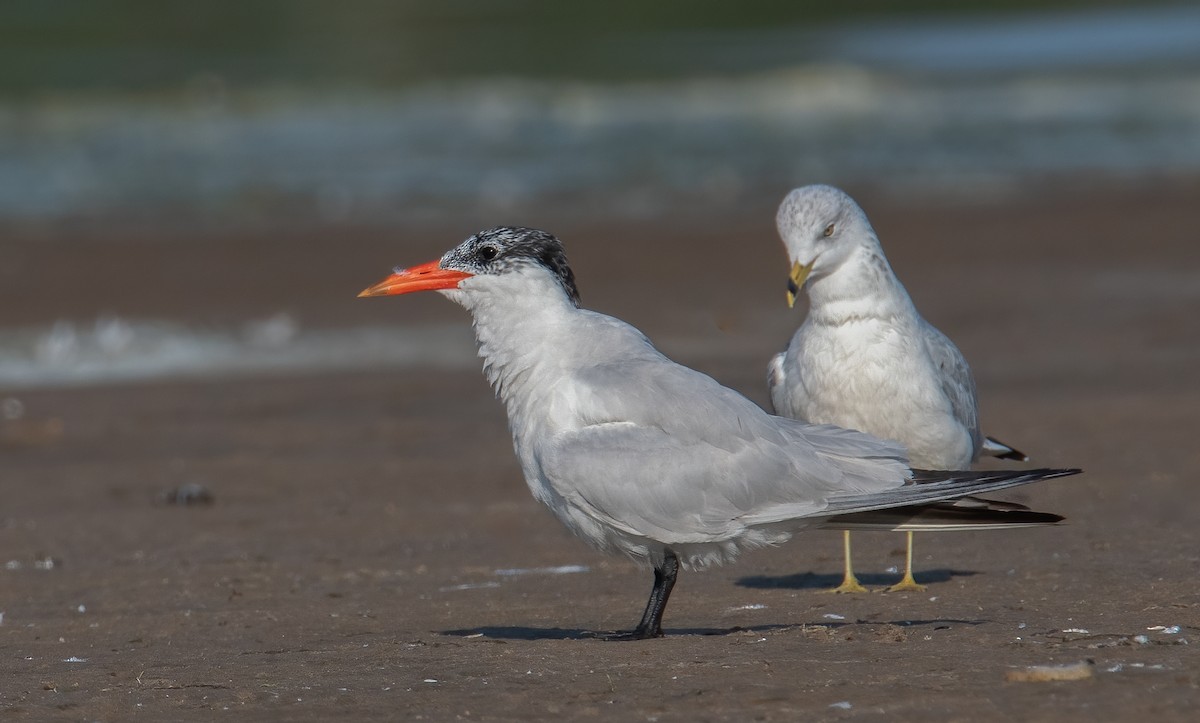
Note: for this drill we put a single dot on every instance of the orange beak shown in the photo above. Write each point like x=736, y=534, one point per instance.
x=426, y=277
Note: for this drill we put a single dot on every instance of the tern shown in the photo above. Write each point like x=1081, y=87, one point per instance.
x=865, y=359
x=647, y=458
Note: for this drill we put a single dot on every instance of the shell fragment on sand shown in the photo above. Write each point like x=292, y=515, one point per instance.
x=1051, y=673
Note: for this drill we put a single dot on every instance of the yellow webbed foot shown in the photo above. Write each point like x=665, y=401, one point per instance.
x=907, y=584
x=850, y=584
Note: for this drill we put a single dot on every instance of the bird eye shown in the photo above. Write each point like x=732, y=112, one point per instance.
x=487, y=253
x=828, y=231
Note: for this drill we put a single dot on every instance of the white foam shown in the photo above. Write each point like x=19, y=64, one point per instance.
x=119, y=350
x=556, y=570
x=470, y=586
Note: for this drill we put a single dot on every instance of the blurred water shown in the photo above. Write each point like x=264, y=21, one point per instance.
x=1148, y=35
x=625, y=148
x=704, y=117
x=941, y=105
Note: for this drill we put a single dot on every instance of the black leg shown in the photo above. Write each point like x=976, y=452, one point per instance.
x=664, y=580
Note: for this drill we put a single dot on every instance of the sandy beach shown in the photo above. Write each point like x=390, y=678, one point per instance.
x=370, y=549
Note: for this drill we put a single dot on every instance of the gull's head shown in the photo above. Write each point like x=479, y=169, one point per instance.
x=821, y=226
x=505, y=260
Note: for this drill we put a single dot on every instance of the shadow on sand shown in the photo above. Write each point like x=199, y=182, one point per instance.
x=517, y=632
x=527, y=633
x=828, y=581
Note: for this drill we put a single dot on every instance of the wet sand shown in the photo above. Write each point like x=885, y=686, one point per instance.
x=371, y=550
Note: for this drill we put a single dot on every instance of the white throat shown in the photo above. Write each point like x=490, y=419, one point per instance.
x=862, y=287
x=520, y=318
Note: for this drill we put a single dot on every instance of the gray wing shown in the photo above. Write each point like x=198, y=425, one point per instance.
x=787, y=391
x=777, y=384
x=957, y=383
x=673, y=455
x=646, y=482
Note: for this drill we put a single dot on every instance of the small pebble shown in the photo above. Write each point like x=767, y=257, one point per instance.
x=12, y=408
x=187, y=494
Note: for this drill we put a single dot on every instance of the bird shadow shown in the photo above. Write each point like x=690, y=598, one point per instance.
x=519, y=632
x=828, y=581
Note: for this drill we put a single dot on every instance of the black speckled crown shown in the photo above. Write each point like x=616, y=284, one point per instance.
x=497, y=249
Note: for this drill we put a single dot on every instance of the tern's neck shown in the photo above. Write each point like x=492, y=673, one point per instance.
x=523, y=327
x=863, y=287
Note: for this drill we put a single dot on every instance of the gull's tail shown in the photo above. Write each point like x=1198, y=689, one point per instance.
x=995, y=448
x=968, y=513
x=931, y=486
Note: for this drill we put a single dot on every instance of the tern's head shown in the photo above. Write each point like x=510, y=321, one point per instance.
x=502, y=258
x=821, y=227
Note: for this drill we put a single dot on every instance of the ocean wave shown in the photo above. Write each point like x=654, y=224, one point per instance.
x=626, y=148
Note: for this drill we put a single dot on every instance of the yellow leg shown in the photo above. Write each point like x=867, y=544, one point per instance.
x=907, y=583
x=850, y=583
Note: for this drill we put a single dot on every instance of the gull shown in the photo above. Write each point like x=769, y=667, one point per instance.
x=644, y=457
x=864, y=358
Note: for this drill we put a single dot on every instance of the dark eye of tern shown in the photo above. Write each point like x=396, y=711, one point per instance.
x=487, y=253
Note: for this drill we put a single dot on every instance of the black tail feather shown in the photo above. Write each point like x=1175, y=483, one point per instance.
x=944, y=516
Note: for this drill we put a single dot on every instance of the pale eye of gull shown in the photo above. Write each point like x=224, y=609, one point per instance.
x=828, y=231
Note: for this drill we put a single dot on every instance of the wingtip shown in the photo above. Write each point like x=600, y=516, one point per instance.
x=1014, y=456
x=942, y=517
x=995, y=448
x=1065, y=472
